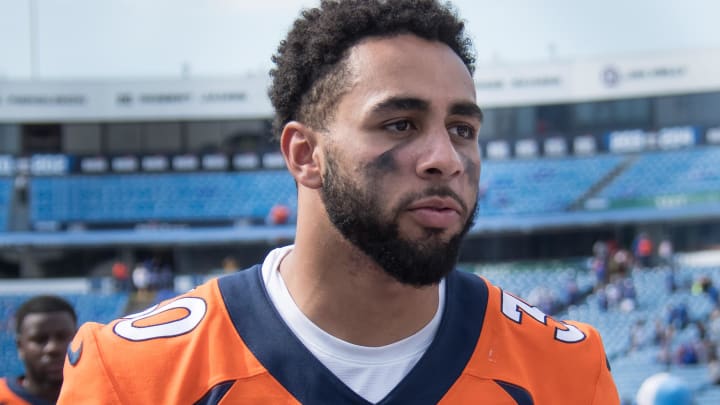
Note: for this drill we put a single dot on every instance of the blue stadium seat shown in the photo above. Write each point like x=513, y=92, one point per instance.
x=691, y=174
x=537, y=186
x=6, y=186
x=184, y=197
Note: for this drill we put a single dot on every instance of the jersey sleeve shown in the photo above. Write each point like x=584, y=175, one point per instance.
x=605, y=390
x=86, y=379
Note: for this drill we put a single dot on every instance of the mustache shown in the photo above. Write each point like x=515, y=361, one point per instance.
x=435, y=191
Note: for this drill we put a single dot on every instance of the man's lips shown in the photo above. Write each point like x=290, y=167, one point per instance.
x=54, y=367
x=437, y=204
x=436, y=212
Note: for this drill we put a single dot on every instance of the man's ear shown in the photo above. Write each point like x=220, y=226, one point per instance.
x=299, y=146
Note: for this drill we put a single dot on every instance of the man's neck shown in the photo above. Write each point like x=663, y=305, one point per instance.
x=47, y=391
x=346, y=294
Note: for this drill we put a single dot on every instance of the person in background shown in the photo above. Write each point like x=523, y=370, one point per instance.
x=643, y=250
x=44, y=327
x=121, y=276
x=279, y=215
x=230, y=265
x=141, y=280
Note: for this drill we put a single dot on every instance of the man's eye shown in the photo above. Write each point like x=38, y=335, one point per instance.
x=463, y=131
x=400, y=126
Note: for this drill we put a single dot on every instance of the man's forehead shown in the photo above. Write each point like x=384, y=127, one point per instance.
x=389, y=67
x=46, y=320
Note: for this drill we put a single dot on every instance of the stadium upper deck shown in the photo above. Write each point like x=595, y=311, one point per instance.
x=189, y=162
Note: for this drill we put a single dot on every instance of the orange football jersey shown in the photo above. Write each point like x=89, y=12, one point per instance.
x=12, y=393
x=224, y=343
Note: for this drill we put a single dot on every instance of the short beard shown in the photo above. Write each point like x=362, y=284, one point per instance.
x=357, y=214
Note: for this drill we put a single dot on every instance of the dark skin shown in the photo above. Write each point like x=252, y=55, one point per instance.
x=42, y=342
x=386, y=162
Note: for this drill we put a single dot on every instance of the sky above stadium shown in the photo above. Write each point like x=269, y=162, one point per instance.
x=87, y=39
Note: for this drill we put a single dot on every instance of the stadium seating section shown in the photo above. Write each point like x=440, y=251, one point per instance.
x=5, y=194
x=692, y=175
x=508, y=188
x=630, y=367
x=159, y=197
x=540, y=185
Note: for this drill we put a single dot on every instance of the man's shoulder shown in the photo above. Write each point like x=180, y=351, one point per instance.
x=521, y=345
x=514, y=316
x=169, y=328
x=5, y=392
x=514, y=326
x=182, y=347
x=12, y=393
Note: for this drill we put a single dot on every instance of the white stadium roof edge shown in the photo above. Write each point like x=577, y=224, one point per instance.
x=498, y=85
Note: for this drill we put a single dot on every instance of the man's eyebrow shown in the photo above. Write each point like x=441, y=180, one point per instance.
x=467, y=109
x=401, y=103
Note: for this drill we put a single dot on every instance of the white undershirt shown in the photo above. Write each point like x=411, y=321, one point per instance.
x=372, y=372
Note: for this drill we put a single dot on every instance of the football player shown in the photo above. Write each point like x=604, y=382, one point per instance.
x=44, y=327
x=378, y=123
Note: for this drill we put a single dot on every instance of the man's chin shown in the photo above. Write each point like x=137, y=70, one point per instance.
x=430, y=236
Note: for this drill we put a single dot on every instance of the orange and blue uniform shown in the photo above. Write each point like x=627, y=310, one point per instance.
x=13, y=393
x=225, y=343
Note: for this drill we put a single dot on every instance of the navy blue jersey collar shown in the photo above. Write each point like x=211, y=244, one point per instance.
x=310, y=382
x=19, y=390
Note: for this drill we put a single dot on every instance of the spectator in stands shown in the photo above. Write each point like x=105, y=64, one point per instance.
x=599, y=264
x=279, y=215
x=378, y=124
x=613, y=292
x=141, y=280
x=600, y=249
x=677, y=315
x=643, y=250
x=666, y=253
x=570, y=294
x=44, y=326
x=628, y=302
x=121, y=276
x=686, y=353
x=229, y=265
x=543, y=298
x=705, y=285
x=619, y=264
x=659, y=332
x=599, y=268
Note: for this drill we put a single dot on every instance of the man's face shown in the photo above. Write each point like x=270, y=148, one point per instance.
x=402, y=161
x=42, y=344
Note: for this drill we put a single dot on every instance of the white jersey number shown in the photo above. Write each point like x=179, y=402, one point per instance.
x=195, y=308
x=513, y=308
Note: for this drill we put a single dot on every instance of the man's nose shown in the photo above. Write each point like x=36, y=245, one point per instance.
x=57, y=345
x=440, y=158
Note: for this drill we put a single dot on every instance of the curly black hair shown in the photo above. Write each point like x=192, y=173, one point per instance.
x=311, y=72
